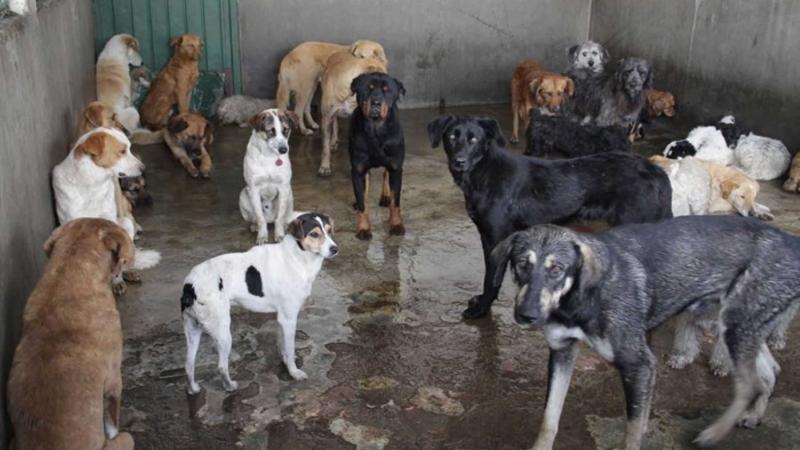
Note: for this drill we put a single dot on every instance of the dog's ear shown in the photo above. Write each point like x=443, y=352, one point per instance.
x=648, y=82
x=131, y=42
x=570, y=87
x=54, y=236
x=534, y=85
x=92, y=146
x=492, y=130
x=726, y=188
x=177, y=124
x=295, y=229
x=178, y=40
x=119, y=244
x=437, y=127
x=208, y=134
x=589, y=269
x=289, y=114
x=572, y=51
x=400, y=88
x=606, y=55
x=359, y=83
x=257, y=121
x=94, y=114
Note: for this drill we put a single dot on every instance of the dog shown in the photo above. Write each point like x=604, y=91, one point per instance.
x=239, y=109
x=376, y=140
x=505, y=192
x=792, y=183
x=611, y=289
x=338, y=100
x=563, y=137
x=534, y=87
x=691, y=185
x=175, y=82
x=95, y=115
x=704, y=142
x=267, y=278
x=588, y=55
x=189, y=135
x=65, y=385
x=734, y=191
x=135, y=191
x=762, y=158
x=624, y=94
x=660, y=103
x=302, y=68
x=268, y=198
x=114, y=80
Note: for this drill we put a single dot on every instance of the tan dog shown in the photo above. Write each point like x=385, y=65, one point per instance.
x=660, y=102
x=337, y=98
x=792, y=184
x=65, y=385
x=188, y=136
x=534, y=87
x=114, y=80
x=302, y=67
x=733, y=191
x=175, y=83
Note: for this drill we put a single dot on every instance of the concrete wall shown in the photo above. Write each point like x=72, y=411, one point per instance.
x=460, y=50
x=46, y=76
x=717, y=56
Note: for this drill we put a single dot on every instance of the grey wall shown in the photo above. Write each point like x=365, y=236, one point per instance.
x=46, y=76
x=461, y=50
x=717, y=56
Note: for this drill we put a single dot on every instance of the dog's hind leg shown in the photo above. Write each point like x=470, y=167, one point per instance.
x=685, y=346
x=193, y=332
x=777, y=339
x=766, y=371
x=559, y=375
x=288, y=322
x=221, y=333
x=638, y=379
x=307, y=106
x=720, y=360
x=386, y=192
x=328, y=119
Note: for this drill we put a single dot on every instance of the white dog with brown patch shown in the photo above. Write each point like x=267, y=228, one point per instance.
x=114, y=80
x=267, y=278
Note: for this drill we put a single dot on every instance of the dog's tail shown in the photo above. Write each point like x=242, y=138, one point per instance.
x=146, y=259
x=143, y=136
x=188, y=297
x=282, y=96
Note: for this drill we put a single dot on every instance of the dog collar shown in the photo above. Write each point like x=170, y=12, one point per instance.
x=279, y=162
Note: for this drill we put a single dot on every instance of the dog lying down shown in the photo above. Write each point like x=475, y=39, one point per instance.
x=266, y=278
x=610, y=289
x=563, y=137
x=239, y=109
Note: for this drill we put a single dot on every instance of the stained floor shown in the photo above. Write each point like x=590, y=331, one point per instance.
x=391, y=364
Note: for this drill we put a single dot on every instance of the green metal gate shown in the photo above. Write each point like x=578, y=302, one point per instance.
x=155, y=22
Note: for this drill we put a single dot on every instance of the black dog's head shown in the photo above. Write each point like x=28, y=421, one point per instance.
x=679, y=149
x=548, y=263
x=633, y=77
x=376, y=94
x=730, y=130
x=467, y=140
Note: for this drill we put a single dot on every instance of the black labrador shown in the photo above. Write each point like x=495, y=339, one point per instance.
x=376, y=140
x=506, y=192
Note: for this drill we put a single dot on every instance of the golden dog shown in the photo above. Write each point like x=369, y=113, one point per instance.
x=660, y=102
x=792, y=184
x=65, y=385
x=733, y=191
x=188, y=136
x=534, y=87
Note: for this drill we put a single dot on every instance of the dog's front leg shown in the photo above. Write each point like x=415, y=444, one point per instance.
x=480, y=305
x=638, y=379
x=284, y=210
x=559, y=375
x=360, y=189
x=288, y=323
x=395, y=219
x=180, y=154
x=258, y=211
x=205, y=163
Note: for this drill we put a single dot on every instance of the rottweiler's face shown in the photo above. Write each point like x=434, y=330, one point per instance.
x=467, y=140
x=193, y=132
x=376, y=94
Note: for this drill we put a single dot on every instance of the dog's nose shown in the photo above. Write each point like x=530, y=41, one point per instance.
x=334, y=250
x=283, y=149
x=460, y=162
x=591, y=62
x=524, y=319
x=375, y=103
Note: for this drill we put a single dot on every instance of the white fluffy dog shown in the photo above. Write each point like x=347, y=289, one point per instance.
x=267, y=198
x=706, y=143
x=762, y=158
x=267, y=278
x=239, y=109
x=691, y=185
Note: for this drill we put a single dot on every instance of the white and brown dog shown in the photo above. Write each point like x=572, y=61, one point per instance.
x=114, y=80
x=268, y=198
x=267, y=278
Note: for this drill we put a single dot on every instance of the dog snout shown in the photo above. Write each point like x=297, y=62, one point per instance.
x=333, y=251
x=375, y=102
x=525, y=317
x=460, y=162
x=591, y=63
x=283, y=149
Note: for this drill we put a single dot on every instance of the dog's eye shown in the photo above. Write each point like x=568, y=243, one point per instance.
x=452, y=137
x=473, y=140
x=371, y=87
x=314, y=234
x=555, y=271
x=584, y=53
x=386, y=89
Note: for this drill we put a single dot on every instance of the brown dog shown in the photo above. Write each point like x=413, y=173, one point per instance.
x=302, y=67
x=65, y=385
x=534, y=87
x=95, y=115
x=792, y=184
x=660, y=102
x=175, y=83
x=188, y=136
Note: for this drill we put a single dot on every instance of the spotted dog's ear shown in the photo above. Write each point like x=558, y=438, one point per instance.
x=493, y=133
x=295, y=229
x=590, y=269
x=291, y=116
x=257, y=121
x=437, y=127
x=92, y=146
x=572, y=51
x=94, y=115
x=177, y=124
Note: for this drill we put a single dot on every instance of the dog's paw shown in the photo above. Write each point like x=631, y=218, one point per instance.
x=776, y=342
x=230, y=385
x=513, y=140
x=397, y=230
x=132, y=276
x=749, y=420
x=324, y=171
x=385, y=201
x=720, y=369
x=709, y=437
x=364, y=235
x=476, y=309
x=206, y=174
x=119, y=289
x=679, y=361
x=306, y=132
x=193, y=389
x=298, y=374
x=279, y=236
x=262, y=239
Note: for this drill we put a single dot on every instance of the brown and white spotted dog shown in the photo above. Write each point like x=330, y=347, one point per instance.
x=188, y=136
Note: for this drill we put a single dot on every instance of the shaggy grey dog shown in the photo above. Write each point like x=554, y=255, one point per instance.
x=624, y=94
x=239, y=109
x=587, y=66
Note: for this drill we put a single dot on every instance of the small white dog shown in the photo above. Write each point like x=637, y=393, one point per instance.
x=691, y=185
x=267, y=198
x=267, y=278
x=762, y=158
x=239, y=109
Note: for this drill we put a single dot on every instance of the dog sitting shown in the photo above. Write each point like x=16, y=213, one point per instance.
x=562, y=137
x=505, y=192
x=611, y=289
x=114, y=80
x=691, y=185
x=376, y=140
x=660, y=103
x=792, y=183
x=587, y=68
x=267, y=278
x=175, y=82
x=532, y=87
x=65, y=385
x=624, y=94
x=189, y=135
x=267, y=198
x=95, y=115
x=302, y=68
x=239, y=109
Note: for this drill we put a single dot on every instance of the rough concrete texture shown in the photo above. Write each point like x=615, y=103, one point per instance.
x=391, y=364
x=46, y=76
x=460, y=51
x=717, y=56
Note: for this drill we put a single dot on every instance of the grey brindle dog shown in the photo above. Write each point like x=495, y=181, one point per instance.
x=610, y=289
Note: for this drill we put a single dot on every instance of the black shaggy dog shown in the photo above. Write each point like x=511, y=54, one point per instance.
x=376, y=140
x=505, y=192
x=624, y=95
x=562, y=137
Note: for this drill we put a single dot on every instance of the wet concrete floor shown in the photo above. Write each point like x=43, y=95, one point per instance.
x=391, y=364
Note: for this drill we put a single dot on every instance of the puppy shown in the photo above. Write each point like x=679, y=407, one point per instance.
x=239, y=109
x=534, y=87
x=734, y=191
x=505, y=192
x=135, y=191
x=376, y=140
x=175, y=82
x=267, y=278
x=267, y=198
x=792, y=183
x=562, y=137
x=691, y=185
x=624, y=94
x=337, y=98
x=660, y=103
x=611, y=289
x=188, y=136
x=114, y=80
x=706, y=143
x=589, y=56
x=301, y=69
x=65, y=385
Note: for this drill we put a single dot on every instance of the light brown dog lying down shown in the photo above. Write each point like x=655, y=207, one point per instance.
x=188, y=136
x=175, y=83
x=792, y=184
x=732, y=191
x=65, y=385
x=660, y=102
x=337, y=98
x=302, y=67
x=534, y=87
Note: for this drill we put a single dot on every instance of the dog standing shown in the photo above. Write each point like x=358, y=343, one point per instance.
x=267, y=278
x=268, y=198
x=189, y=135
x=505, y=192
x=114, y=80
x=65, y=385
x=610, y=290
x=534, y=87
